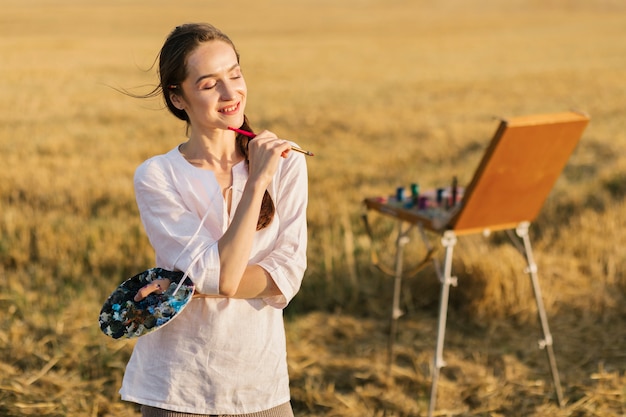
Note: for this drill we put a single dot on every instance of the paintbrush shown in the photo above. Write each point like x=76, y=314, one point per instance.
x=252, y=135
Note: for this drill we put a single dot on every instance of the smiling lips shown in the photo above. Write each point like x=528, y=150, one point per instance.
x=230, y=110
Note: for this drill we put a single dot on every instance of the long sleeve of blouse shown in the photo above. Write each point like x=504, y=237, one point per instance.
x=184, y=214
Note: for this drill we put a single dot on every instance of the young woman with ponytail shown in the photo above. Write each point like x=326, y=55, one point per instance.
x=225, y=353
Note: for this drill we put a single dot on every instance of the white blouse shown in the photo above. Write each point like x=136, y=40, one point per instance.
x=219, y=355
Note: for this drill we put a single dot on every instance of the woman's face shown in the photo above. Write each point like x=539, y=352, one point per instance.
x=214, y=92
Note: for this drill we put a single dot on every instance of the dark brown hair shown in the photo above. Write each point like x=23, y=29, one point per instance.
x=180, y=43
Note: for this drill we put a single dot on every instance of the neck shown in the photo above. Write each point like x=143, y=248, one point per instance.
x=217, y=151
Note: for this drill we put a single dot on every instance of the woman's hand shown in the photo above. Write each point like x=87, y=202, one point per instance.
x=265, y=151
x=158, y=285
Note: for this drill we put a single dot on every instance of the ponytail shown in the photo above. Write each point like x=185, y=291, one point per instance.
x=266, y=215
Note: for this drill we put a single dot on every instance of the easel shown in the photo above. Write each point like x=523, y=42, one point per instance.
x=517, y=172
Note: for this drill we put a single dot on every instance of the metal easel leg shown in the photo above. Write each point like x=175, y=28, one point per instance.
x=546, y=343
x=396, y=312
x=448, y=241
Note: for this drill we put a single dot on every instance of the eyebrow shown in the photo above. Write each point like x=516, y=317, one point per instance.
x=202, y=77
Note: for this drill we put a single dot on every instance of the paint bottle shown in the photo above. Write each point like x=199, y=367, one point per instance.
x=454, y=192
x=423, y=203
x=439, y=196
x=415, y=194
x=400, y=194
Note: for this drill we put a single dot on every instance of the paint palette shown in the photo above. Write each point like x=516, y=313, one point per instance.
x=123, y=317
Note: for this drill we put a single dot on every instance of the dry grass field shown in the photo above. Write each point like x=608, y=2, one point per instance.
x=385, y=92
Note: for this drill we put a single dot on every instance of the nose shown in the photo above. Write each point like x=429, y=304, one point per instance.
x=229, y=90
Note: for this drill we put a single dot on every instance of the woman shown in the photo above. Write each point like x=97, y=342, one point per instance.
x=225, y=353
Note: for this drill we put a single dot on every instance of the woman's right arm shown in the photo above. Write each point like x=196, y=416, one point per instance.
x=235, y=245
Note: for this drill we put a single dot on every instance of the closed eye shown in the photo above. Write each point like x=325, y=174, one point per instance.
x=208, y=81
x=236, y=74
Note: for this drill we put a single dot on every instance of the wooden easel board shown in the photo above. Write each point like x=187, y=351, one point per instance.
x=518, y=170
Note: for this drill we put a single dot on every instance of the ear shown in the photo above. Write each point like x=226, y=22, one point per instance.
x=177, y=101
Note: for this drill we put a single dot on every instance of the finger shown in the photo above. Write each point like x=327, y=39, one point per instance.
x=274, y=144
x=265, y=134
x=285, y=147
